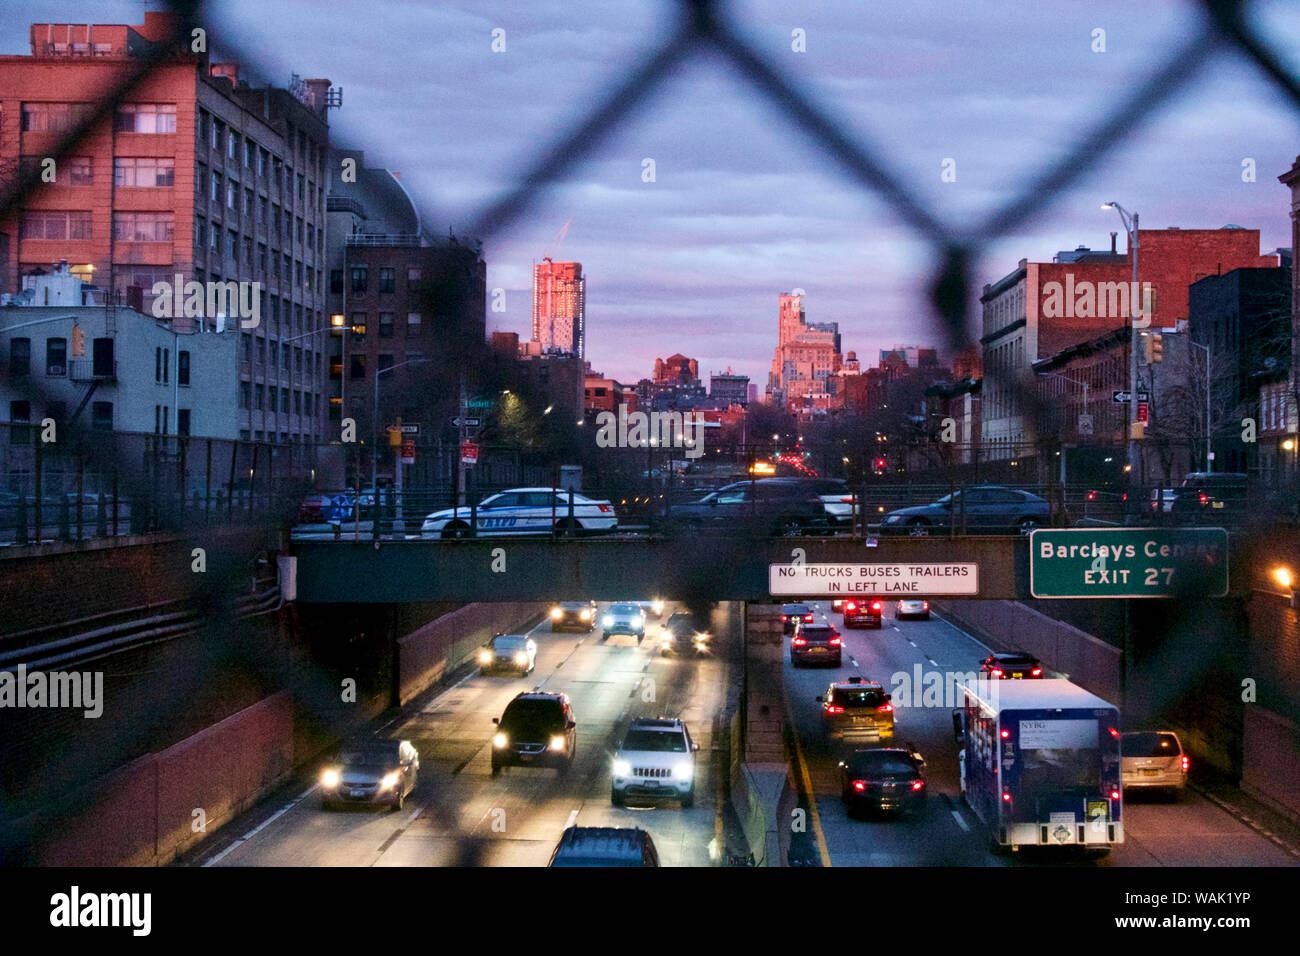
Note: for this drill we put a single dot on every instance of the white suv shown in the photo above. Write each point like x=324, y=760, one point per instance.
x=655, y=759
x=624, y=619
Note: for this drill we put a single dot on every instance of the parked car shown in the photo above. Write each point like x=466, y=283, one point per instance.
x=819, y=643
x=1153, y=760
x=1212, y=497
x=524, y=511
x=605, y=846
x=863, y=612
x=509, y=652
x=883, y=779
x=768, y=506
x=573, y=616
x=910, y=608
x=986, y=509
x=370, y=771
x=655, y=759
x=1016, y=665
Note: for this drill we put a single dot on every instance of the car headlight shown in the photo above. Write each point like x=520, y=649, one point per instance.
x=608, y=620
x=329, y=779
x=639, y=621
x=557, y=742
x=683, y=771
x=657, y=606
x=556, y=614
x=585, y=615
x=499, y=741
x=389, y=781
x=485, y=657
x=701, y=638
x=521, y=658
x=622, y=768
x=893, y=519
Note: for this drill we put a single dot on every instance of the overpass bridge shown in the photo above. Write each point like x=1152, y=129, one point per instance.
x=706, y=567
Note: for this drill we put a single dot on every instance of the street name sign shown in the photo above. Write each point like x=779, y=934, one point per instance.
x=1128, y=562
x=836, y=580
x=1122, y=397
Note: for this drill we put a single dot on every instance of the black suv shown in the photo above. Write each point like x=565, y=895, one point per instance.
x=536, y=730
x=763, y=507
x=1207, y=496
x=605, y=846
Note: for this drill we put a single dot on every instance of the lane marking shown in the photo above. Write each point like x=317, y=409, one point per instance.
x=415, y=815
x=573, y=816
x=260, y=827
x=912, y=642
x=956, y=815
x=822, y=848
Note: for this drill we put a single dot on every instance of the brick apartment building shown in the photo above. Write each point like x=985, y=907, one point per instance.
x=197, y=174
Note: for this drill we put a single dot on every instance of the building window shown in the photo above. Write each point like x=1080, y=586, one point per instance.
x=20, y=357
x=358, y=370
x=248, y=203
x=358, y=325
x=232, y=146
x=387, y=280
x=301, y=231
x=217, y=129
x=214, y=236
x=145, y=172
x=232, y=245
x=248, y=251
x=214, y=193
x=52, y=224
x=245, y=394
x=336, y=282
x=81, y=170
x=183, y=367
x=259, y=396
x=359, y=280
x=232, y=194
x=284, y=400
x=52, y=117
x=413, y=274
x=145, y=118
x=56, y=356
x=413, y=323
x=385, y=324
x=20, y=413
x=262, y=157
x=284, y=356
x=101, y=416
x=182, y=421
x=200, y=180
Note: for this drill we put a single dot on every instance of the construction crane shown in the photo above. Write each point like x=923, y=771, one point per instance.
x=557, y=241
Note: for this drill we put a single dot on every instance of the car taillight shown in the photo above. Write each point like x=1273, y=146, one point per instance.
x=1092, y=496
x=832, y=709
x=835, y=642
x=799, y=642
x=848, y=500
x=875, y=605
x=925, y=605
x=784, y=618
x=605, y=508
x=859, y=785
x=1186, y=763
x=1204, y=498
x=1006, y=796
x=1124, y=496
x=1037, y=672
x=808, y=618
x=1114, y=794
x=885, y=708
x=918, y=784
x=1113, y=732
x=850, y=606
x=995, y=672
x=1005, y=734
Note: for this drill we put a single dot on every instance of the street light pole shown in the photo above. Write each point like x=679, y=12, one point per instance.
x=374, y=441
x=1209, y=461
x=1131, y=227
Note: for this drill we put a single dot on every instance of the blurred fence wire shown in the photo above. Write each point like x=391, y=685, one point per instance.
x=701, y=27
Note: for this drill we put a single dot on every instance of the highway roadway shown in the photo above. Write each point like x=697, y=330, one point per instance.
x=1190, y=832
x=460, y=813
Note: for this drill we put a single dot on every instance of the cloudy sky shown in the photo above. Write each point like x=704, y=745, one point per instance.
x=744, y=205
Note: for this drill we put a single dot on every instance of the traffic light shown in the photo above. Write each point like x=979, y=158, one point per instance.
x=78, y=338
x=1157, y=348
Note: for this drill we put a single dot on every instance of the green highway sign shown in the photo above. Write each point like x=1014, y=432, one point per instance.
x=1128, y=562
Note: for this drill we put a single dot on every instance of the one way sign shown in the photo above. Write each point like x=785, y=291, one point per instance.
x=467, y=422
x=1122, y=397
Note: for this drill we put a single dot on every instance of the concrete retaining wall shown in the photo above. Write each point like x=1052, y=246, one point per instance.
x=1271, y=770
x=1009, y=625
x=143, y=813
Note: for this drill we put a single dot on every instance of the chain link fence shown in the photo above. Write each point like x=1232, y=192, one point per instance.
x=145, y=483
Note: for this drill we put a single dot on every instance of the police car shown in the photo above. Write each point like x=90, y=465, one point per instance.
x=523, y=511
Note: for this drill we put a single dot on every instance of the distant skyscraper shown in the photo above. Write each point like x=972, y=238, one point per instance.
x=559, y=306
